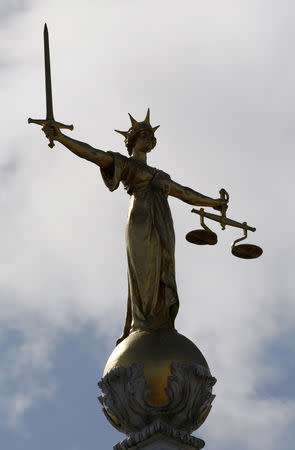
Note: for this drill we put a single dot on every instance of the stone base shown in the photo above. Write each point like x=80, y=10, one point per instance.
x=160, y=436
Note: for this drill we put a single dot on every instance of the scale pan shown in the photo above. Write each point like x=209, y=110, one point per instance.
x=246, y=251
x=201, y=237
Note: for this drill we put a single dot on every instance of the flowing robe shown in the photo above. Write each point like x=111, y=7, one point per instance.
x=150, y=240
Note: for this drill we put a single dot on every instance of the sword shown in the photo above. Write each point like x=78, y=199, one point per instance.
x=49, y=106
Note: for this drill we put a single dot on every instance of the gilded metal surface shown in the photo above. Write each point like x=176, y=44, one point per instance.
x=49, y=104
x=135, y=129
x=245, y=251
x=156, y=351
x=49, y=121
x=152, y=300
x=202, y=237
x=152, y=292
x=124, y=395
x=206, y=236
x=227, y=221
x=224, y=195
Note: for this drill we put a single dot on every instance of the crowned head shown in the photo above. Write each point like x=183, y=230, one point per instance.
x=140, y=134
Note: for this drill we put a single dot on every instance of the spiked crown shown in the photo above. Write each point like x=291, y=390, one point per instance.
x=136, y=127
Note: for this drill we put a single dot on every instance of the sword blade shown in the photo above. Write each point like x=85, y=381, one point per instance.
x=49, y=106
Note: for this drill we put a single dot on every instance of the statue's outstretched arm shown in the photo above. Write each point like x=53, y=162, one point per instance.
x=99, y=157
x=192, y=197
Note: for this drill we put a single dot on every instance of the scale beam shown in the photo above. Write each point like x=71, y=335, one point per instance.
x=223, y=220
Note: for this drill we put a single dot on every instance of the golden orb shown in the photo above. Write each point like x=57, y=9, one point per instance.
x=155, y=350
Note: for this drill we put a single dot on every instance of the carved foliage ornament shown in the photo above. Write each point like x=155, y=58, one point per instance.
x=125, y=398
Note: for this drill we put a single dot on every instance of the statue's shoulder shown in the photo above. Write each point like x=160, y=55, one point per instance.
x=163, y=175
x=118, y=155
x=119, y=159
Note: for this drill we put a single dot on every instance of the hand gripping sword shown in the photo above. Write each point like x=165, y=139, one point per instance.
x=49, y=107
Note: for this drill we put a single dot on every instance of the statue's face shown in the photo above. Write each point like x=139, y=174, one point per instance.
x=144, y=141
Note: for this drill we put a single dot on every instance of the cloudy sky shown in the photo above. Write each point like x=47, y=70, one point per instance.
x=219, y=79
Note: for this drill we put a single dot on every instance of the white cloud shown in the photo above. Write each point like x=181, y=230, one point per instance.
x=219, y=80
x=26, y=354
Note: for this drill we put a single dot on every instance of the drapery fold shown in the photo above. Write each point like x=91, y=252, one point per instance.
x=152, y=293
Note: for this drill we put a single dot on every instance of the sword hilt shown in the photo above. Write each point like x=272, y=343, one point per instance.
x=48, y=122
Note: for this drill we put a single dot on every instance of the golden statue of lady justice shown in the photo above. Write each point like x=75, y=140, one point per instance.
x=152, y=292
